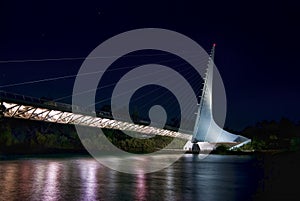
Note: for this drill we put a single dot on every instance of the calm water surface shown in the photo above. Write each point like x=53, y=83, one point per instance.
x=82, y=178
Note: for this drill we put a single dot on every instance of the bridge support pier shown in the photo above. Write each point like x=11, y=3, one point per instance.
x=192, y=147
x=195, y=148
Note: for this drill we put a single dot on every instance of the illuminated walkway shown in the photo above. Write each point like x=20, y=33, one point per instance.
x=22, y=107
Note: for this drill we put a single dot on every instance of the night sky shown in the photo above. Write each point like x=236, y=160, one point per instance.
x=257, y=50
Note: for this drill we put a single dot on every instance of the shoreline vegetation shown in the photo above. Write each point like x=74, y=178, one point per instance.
x=32, y=138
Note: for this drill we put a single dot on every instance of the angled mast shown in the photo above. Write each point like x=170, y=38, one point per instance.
x=204, y=114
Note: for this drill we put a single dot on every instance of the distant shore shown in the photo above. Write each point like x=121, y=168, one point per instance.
x=70, y=154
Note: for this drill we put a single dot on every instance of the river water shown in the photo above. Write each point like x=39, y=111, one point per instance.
x=215, y=178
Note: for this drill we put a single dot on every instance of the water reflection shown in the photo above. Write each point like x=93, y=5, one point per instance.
x=39, y=180
x=51, y=188
x=24, y=177
x=8, y=180
x=170, y=182
x=213, y=178
x=88, y=174
x=140, y=189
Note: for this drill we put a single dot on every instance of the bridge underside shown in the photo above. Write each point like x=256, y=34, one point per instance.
x=21, y=111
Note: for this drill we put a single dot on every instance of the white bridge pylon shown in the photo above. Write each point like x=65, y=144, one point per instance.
x=207, y=133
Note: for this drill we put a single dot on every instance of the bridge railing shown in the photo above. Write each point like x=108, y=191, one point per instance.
x=40, y=102
x=50, y=104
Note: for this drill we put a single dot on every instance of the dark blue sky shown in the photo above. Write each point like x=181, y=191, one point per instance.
x=257, y=46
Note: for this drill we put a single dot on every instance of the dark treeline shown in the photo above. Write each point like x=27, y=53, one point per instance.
x=28, y=137
x=273, y=135
x=31, y=137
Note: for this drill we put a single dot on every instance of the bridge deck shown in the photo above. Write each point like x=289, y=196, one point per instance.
x=18, y=106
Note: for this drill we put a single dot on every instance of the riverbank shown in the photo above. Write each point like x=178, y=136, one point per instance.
x=41, y=156
x=74, y=154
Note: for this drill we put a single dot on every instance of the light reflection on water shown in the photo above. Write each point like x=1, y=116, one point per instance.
x=140, y=189
x=89, y=180
x=83, y=178
x=9, y=178
x=50, y=191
